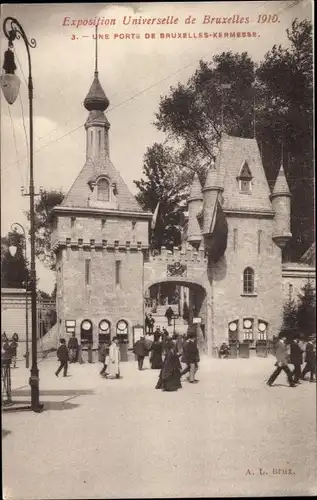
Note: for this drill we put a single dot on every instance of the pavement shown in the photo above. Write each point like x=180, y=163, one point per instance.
x=229, y=435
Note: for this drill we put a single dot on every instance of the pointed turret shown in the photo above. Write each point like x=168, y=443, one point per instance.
x=195, y=204
x=97, y=125
x=215, y=228
x=281, y=204
x=281, y=185
x=211, y=192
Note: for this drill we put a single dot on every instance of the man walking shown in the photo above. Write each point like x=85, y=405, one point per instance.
x=296, y=359
x=140, y=350
x=281, y=363
x=104, y=355
x=169, y=315
x=191, y=355
x=62, y=355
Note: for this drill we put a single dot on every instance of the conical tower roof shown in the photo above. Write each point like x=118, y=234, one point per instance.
x=96, y=99
x=281, y=186
x=195, y=192
x=212, y=179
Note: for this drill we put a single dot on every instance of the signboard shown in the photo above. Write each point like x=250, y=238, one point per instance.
x=70, y=325
x=196, y=321
x=138, y=331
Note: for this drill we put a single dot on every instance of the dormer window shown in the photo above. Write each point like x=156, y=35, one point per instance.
x=245, y=178
x=103, y=190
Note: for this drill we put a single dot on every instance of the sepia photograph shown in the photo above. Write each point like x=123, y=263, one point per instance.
x=158, y=235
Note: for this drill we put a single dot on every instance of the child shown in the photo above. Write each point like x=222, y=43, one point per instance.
x=62, y=355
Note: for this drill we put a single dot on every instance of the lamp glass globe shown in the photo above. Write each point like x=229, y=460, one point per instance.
x=13, y=250
x=10, y=85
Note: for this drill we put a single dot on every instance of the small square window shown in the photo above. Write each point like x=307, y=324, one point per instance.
x=245, y=186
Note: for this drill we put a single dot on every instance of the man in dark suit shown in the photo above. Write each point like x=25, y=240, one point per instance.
x=296, y=359
x=281, y=363
x=140, y=350
x=62, y=355
x=191, y=354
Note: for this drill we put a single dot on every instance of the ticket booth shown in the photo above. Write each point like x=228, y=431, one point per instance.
x=122, y=332
x=233, y=338
x=104, y=332
x=86, y=333
x=86, y=338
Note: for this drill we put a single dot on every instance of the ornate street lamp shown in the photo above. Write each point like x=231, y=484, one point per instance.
x=10, y=87
x=13, y=250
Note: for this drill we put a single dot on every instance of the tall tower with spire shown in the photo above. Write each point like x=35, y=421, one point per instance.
x=100, y=237
x=97, y=126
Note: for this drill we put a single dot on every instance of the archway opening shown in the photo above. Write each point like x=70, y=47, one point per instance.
x=179, y=306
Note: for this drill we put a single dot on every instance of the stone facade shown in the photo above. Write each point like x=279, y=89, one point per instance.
x=99, y=236
x=231, y=256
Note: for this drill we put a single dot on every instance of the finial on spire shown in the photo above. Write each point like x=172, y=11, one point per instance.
x=282, y=152
x=96, y=52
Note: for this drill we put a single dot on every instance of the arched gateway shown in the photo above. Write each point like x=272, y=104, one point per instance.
x=178, y=279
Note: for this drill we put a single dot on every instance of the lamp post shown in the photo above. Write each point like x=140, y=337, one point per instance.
x=12, y=250
x=10, y=87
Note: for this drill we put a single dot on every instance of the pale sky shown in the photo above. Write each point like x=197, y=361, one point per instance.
x=134, y=74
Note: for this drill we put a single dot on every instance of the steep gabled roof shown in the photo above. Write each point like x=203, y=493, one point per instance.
x=233, y=153
x=80, y=191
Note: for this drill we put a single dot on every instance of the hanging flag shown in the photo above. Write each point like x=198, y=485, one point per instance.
x=216, y=241
x=154, y=218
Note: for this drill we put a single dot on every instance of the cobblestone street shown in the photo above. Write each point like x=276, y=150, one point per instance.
x=101, y=438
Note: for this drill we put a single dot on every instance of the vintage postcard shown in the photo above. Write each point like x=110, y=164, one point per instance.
x=157, y=237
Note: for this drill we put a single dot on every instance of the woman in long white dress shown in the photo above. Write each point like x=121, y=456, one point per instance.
x=113, y=366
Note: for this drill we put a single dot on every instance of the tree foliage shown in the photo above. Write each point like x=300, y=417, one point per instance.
x=285, y=110
x=306, y=313
x=159, y=186
x=273, y=100
x=299, y=317
x=43, y=209
x=290, y=319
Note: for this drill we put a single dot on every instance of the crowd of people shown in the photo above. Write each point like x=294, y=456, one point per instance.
x=290, y=352
x=168, y=354
x=174, y=356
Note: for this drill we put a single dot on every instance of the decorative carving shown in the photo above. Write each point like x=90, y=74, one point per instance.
x=176, y=269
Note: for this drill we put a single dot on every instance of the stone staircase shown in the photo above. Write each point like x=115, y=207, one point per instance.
x=161, y=320
x=49, y=341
